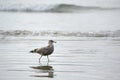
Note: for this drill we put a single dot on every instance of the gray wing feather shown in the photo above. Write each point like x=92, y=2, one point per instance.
x=45, y=50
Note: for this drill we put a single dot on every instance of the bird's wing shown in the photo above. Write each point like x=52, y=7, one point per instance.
x=43, y=50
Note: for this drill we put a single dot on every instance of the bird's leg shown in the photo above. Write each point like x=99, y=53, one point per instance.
x=40, y=58
x=47, y=63
x=48, y=58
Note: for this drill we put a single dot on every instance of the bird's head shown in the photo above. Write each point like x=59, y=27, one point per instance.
x=51, y=42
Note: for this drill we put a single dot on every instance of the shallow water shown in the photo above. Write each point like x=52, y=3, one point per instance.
x=81, y=22
x=76, y=57
x=82, y=59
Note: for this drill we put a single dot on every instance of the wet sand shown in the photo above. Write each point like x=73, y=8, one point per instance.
x=72, y=60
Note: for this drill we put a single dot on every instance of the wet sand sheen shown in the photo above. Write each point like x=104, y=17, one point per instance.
x=72, y=60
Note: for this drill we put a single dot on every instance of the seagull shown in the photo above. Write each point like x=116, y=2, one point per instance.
x=45, y=51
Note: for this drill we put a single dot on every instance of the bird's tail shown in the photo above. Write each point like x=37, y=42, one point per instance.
x=33, y=51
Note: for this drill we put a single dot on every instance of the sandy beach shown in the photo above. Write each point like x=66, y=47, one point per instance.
x=79, y=60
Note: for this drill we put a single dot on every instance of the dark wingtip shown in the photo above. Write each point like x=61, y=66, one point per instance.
x=31, y=51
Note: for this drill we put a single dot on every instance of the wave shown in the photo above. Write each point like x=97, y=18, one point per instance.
x=58, y=8
x=25, y=33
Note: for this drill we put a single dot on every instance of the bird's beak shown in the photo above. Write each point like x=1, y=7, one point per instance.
x=55, y=42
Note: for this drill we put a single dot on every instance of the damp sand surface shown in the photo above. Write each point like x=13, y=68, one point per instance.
x=71, y=60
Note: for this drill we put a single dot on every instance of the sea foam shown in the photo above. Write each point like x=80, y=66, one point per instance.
x=17, y=33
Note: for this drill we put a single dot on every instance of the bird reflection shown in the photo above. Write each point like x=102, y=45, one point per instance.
x=42, y=70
